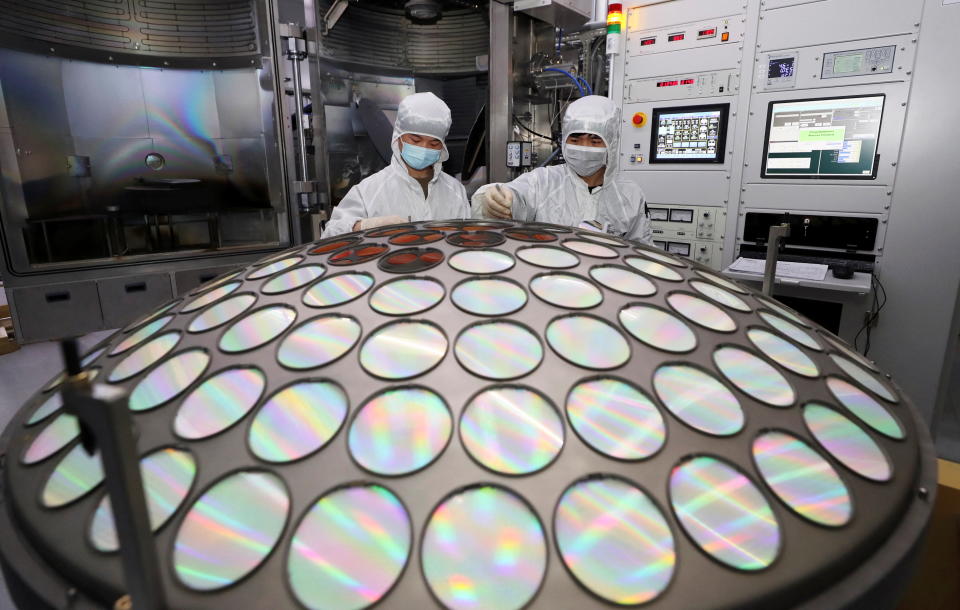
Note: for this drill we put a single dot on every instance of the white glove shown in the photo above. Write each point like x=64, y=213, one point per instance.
x=378, y=221
x=498, y=202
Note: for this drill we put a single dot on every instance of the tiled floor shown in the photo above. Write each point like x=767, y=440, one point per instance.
x=21, y=373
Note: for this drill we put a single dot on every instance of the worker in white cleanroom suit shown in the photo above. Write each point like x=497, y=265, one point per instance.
x=413, y=186
x=586, y=191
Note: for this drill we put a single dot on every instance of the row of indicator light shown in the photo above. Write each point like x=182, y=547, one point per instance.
x=678, y=36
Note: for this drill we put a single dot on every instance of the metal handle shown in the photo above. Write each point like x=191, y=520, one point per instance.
x=297, y=52
x=106, y=426
x=777, y=234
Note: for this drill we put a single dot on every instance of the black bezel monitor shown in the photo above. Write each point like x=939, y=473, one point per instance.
x=689, y=121
x=824, y=153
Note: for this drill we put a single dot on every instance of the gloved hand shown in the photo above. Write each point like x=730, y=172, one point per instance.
x=498, y=202
x=378, y=221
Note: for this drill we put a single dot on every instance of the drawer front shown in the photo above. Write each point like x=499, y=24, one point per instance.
x=56, y=311
x=185, y=281
x=125, y=299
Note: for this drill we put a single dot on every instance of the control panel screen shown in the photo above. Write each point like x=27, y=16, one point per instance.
x=823, y=138
x=689, y=134
x=782, y=67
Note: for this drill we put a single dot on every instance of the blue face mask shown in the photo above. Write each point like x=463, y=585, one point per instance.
x=419, y=157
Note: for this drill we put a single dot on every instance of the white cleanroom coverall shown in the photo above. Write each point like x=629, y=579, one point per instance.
x=557, y=194
x=393, y=192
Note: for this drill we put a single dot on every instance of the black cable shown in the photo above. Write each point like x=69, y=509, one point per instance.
x=525, y=128
x=874, y=316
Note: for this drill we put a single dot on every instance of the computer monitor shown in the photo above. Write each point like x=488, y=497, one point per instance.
x=689, y=134
x=833, y=138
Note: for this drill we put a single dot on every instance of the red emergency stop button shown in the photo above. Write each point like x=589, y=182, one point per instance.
x=639, y=119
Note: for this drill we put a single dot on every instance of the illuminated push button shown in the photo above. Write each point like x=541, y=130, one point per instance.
x=498, y=565
x=720, y=295
x=482, y=261
x=297, y=421
x=167, y=477
x=702, y=312
x=406, y=296
x=566, y=290
x=350, y=548
x=805, y=482
x=293, y=279
x=511, y=430
x=698, y=399
x=616, y=419
x=623, y=280
x=338, y=289
x=77, y=474
x=548, y=256
x=401, y=350
x=791, y=330
x=52, y=439
x=210, y=296
x=783, y=352
x=230, y=530
x=489, y=296
x=169, y=379
x=754, y=376
x=654, y=269
x=588, y=342
x=319, y=342
x=221, y=313
x=257, y=328
x=400, y=431
x=614, y=540
x=864, y=378
x=657, y=328
x=141, y=335
x=276, y=267
x=219, y=402
x=847, y=442
x=498, y=350
x=144, y=356
x=724, y=513
x=866, y=408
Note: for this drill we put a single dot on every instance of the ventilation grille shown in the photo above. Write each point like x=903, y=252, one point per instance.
x=388, y=39
x=186, y=28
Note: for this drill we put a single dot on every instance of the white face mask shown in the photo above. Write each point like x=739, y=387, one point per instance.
x=585, y=160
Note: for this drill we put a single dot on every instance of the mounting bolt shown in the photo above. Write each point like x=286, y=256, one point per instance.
x=923, y=492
